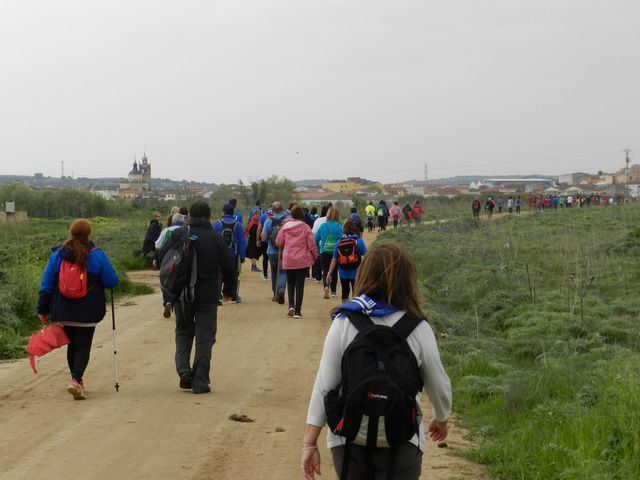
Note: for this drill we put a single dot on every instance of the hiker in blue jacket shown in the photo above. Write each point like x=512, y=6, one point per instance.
x=236, y=214
x=269, y=233
x=347, y=275
x=326, y=239
x=233, y=235
x=79, y=315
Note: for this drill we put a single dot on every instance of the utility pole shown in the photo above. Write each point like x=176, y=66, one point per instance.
x=62, y=169
x=426, y=171
x=627, y=160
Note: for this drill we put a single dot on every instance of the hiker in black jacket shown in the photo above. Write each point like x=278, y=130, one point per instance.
x=198, y=319
x=153, y=232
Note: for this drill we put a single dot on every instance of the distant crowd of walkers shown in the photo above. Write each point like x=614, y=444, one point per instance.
x=539, y=203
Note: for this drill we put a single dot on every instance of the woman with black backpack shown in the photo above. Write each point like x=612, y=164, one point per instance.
x=378, y=355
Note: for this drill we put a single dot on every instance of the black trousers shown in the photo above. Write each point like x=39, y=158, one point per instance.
x=236, y=264
x=197, y=322
x=79, y=349
x=347, y=284
x=265, y=259
x=408, y=462
x=325, y=261
x=295, y=288
x=316, y=270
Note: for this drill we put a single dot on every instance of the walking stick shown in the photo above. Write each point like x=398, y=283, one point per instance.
x=239, y=276
x=278, y=273
x=113, y=336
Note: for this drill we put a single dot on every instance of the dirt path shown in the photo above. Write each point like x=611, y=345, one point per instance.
x=263, y=366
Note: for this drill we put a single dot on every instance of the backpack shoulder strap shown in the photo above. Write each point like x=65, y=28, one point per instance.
x=406, y=325
x=359, y=320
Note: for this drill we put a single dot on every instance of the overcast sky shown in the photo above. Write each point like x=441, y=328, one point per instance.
x=221, y=90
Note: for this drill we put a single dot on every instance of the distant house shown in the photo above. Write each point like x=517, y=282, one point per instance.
x=322, y=198
x=108, y=193
x=129, y=193
x=168, y=196
x=416, y=190
x=351, y=185
x=573, y=178
x=634, y=188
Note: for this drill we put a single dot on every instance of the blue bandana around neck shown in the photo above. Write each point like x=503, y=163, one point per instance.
x=368, y=306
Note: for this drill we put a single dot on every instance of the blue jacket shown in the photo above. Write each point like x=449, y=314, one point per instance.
x=239, y=247
x=328, y=236
x=89, y=309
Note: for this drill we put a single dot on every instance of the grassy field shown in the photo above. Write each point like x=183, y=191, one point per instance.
x=24, y=251
x=538, y=318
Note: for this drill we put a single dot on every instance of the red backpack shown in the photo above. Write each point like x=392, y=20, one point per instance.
x=72, y=280
x=348, y=254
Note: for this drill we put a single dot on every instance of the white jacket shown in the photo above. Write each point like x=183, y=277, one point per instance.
x=423, y=344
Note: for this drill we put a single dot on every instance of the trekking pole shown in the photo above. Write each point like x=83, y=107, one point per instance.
x=277, y=293
x=113, y=336
x=239, y=276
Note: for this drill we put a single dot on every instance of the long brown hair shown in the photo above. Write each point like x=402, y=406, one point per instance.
x=388, y=274
x=78, y=243
x=333, y=215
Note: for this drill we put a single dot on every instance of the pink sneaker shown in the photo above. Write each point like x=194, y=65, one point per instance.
x=76, y=389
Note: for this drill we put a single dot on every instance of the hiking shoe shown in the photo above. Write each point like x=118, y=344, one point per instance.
x=185, y=381
x=281, y=298
x=238, y=299
x=291, y=312
x=274, y=298
x=168, y=308
x=265, y=277
x=76, y=389
x=297, y=315
x=333, y=295
x=199, y=390
x=326, y=292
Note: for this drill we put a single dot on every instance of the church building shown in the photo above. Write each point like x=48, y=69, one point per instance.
x=139, y=176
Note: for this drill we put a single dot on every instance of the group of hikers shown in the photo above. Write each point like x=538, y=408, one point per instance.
x=490, y=205
x=539, y=203
x=382, y=214
x=379, y=353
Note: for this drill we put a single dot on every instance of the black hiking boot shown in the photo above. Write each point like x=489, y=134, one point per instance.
x=185, y=381
x=199, y=390
x=281, y=298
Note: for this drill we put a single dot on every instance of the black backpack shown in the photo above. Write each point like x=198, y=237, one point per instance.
x=178, y=271
x=276, y=225
x=380, y=380
x=227, y=233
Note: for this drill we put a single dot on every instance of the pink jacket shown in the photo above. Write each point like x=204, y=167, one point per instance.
x=298, y=246
x=394, y=212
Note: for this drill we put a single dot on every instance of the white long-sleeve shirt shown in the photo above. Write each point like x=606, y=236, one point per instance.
x=318, y=223
x=423, y=344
